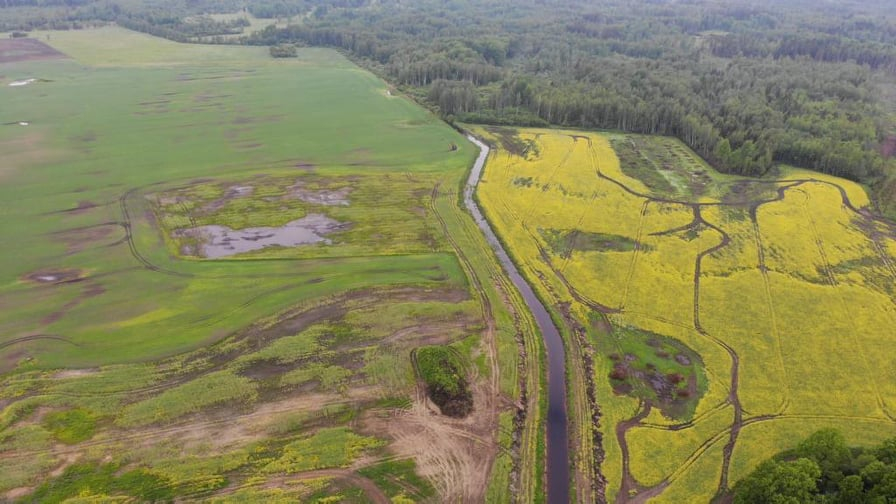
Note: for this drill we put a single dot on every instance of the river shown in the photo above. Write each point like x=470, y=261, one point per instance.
x=557, y=463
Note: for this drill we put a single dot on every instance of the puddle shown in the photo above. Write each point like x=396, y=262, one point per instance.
x=22, y=82
x=222, y=241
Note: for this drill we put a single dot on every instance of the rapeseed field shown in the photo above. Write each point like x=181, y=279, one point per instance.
x=784, y=286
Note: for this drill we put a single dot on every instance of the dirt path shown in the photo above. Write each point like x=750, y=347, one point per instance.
x=628, y=482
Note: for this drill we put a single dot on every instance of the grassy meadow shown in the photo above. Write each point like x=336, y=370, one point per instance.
x=135, y=367
x=726, y=313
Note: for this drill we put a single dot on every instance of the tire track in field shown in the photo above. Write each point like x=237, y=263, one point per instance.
x=491, y=406
x=733, y=399
x=374, y=493
x=825, y=263
x=635, y=253
x=37, y=337
x=557, y=168
x=630, y=485
x=829, y=271
x=733, y=391
x=129, y=234
x=769, y=299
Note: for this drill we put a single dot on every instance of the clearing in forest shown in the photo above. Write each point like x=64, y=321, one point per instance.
x=729, y=315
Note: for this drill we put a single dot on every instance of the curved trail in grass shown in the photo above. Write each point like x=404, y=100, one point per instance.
x=557, y=463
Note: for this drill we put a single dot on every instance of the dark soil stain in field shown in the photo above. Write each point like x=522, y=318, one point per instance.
x=745, y=193
x=55, y=276
x=81, y=207
x=564, y=243
x=89, y=291
x=26, y=49
x=79, y=239
x=264, y=370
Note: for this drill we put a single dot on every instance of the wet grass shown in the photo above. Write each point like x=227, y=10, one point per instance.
x=203, y=113
x=204, y=374
x=72, y=426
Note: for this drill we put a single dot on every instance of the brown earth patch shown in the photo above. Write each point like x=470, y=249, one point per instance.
x=26, y=49
x=454, y=454
x=888, y=147
x=90, y=290
x=66, y=459
x=82, y=207
x=79, y=239
x=74, y=373
x=17, y=493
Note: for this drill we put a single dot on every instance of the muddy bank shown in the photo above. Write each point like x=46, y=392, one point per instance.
x=222, y=241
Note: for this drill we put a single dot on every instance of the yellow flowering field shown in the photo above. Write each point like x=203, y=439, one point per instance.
x=730, y=317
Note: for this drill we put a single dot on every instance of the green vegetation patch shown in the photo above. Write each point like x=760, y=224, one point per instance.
x=565, y=242
x=191, y=397
x=823, y=468
x=399, y=480
x=72, y=426
x=665, y=166
x=443, y=370
x=81, y=480
x=657, y=369
x=332, y=447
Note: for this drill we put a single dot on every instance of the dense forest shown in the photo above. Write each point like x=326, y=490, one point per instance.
x=824, y=469
x=745, y=84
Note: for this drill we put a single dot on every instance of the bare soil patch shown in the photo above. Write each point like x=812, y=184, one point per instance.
x=79, y=239
x=327, y=197
x=90, y=290
x=80, y=208
x=18, y=493
x=26, y=49
x=455, y=454
x=74, y=373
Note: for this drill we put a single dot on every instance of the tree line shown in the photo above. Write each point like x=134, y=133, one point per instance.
x=808, y=100
x=746, y=84
x=823, y=469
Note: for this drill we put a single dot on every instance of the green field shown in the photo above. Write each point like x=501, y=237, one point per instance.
x=136, y=361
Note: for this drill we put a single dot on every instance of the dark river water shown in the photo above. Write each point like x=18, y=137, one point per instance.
x=557, y=463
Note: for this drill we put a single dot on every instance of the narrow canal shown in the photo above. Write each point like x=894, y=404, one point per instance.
x=557, y=463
